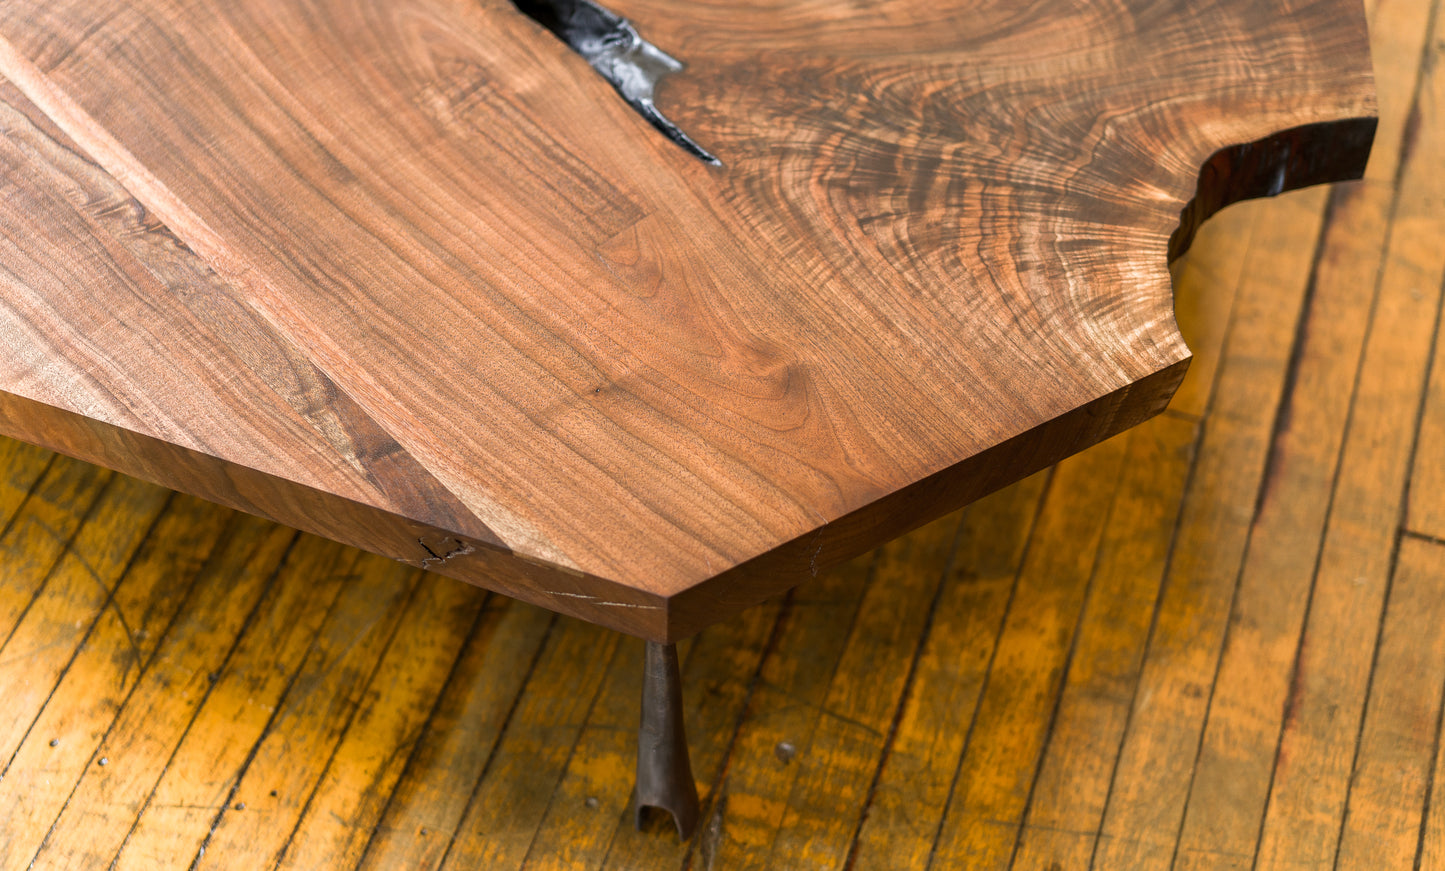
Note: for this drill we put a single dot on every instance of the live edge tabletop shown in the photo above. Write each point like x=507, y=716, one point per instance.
x=642, y=322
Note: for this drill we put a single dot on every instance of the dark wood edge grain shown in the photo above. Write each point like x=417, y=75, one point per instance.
x=911, y=507
x=596, y=600
x=588, y=597
x=1322, y=153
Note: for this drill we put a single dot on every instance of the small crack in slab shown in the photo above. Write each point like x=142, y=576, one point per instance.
x=435, y=559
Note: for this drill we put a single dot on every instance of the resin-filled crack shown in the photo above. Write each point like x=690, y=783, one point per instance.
x=619, y=54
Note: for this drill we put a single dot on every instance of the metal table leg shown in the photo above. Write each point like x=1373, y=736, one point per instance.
x=664, y=775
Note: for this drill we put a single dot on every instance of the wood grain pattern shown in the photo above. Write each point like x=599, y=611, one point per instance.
x=1358, y=555
x=1069, y=792
x=63, y=794
x=915, y=781
x=405, y=275
x=1142, y=820
x=1154, y=578
x=1390, y=784
x=202, y=765
x=981, y=825
x=1236, y=756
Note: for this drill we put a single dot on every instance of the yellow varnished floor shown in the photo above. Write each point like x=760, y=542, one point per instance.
x=1217, y=641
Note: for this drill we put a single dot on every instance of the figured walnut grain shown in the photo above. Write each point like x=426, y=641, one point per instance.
x=408, y=275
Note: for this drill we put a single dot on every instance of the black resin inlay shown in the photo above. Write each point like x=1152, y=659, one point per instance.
x=613, y=47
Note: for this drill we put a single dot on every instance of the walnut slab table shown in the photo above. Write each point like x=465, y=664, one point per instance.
x=471, y=284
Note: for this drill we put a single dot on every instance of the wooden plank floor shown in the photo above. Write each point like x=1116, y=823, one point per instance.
x=1214, y=642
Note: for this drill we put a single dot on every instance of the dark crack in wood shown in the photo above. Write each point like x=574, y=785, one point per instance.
x=619, y=54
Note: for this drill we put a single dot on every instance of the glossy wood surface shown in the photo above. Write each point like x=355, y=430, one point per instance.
x=406, y=274
x=1209, y=643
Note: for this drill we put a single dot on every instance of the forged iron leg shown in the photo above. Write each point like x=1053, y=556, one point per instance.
x=664, y=775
